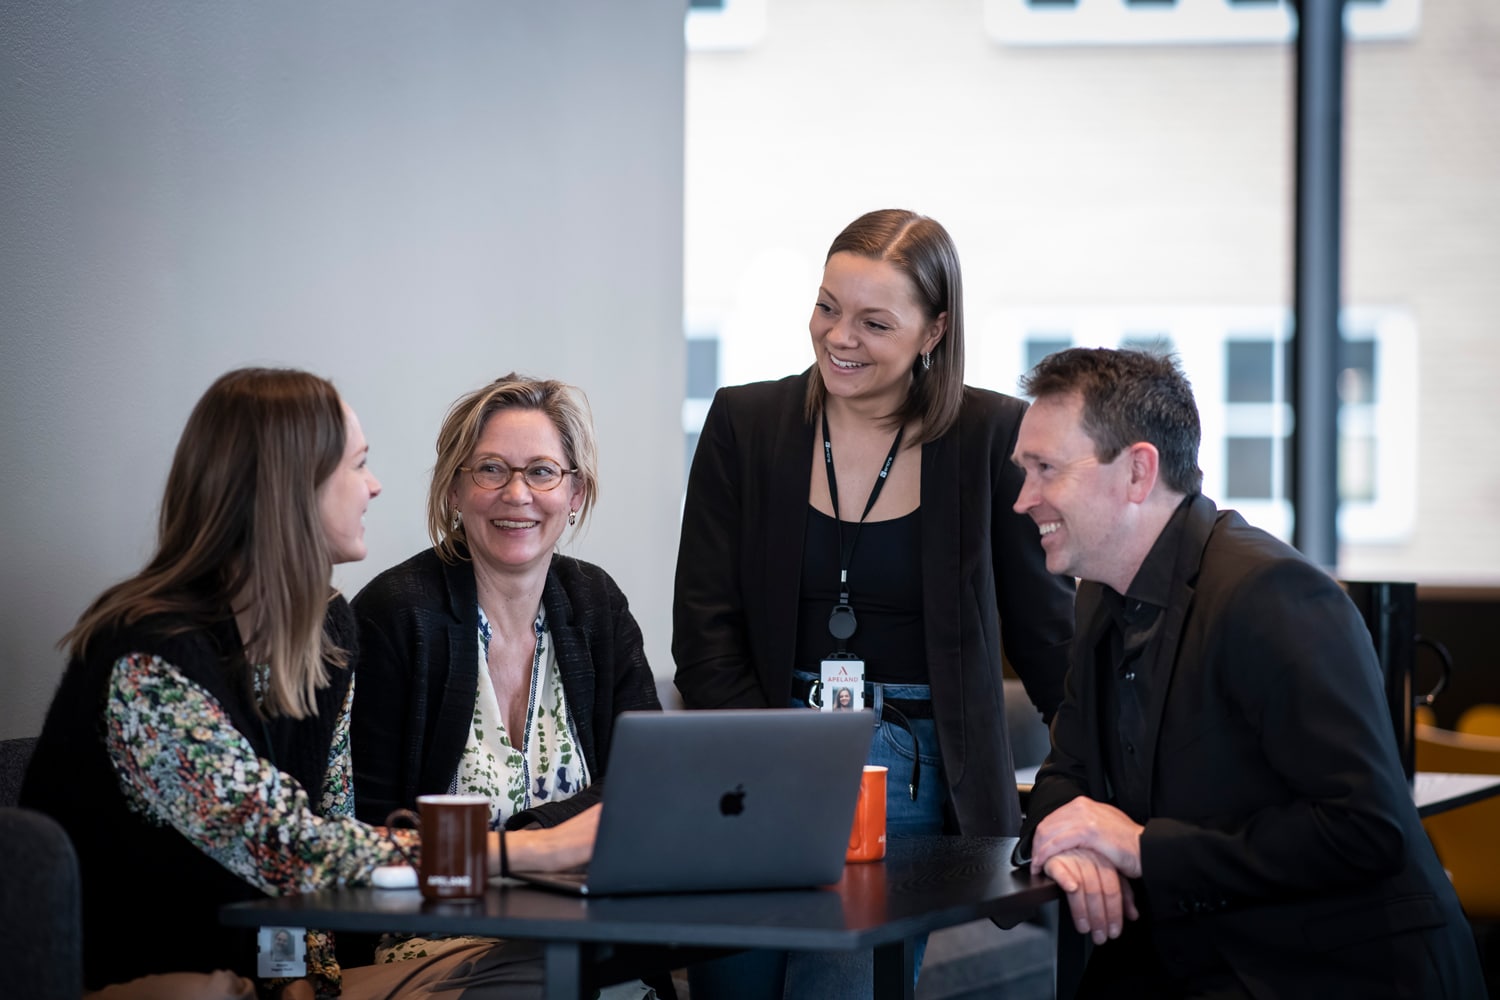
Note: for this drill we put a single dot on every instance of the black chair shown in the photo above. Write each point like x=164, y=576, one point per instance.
x=1390, y=613
x=40, y=911
x=1030, y=741
x=15, y=754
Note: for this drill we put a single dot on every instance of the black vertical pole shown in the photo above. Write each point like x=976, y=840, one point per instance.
x=1316, y=335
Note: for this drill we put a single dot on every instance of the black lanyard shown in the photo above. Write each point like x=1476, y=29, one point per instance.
x=841, y=621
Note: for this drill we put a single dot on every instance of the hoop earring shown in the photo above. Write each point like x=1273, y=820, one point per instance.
x=572, y=517
x=458, y=519
x=927, y=361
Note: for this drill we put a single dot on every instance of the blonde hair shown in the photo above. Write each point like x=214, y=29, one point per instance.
x=565, y=405
x=240, y=524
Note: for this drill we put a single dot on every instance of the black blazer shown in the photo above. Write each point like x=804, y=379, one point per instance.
x=739, y=569
x=1282, y=840
x=418, y=677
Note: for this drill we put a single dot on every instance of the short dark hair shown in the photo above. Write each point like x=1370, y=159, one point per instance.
x=921, y=249
x=1129, y=396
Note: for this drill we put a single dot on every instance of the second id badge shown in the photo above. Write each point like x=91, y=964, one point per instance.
x=843, y=685
x=283, y=953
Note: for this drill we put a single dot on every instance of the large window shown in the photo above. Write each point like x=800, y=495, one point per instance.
x=1121, y=172
x=1239, y=364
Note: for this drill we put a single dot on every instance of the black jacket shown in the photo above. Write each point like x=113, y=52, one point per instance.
x=1282, y=840
x=984, y=580
x=419, y=677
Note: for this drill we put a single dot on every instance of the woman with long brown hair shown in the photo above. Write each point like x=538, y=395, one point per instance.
x=197, y=750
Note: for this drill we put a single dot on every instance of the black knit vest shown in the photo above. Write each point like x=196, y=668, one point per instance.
x=150, y=897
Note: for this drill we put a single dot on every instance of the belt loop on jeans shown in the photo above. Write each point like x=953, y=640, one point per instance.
x=886, y=710
x=805, y=689
x=890, y=713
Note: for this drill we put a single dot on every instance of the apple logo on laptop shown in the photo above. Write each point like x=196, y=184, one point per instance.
x=733, y=803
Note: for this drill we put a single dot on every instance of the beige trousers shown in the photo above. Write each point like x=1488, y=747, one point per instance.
x=481, y=970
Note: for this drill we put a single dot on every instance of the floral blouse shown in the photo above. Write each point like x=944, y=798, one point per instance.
x=182, y=763
x=546, y=766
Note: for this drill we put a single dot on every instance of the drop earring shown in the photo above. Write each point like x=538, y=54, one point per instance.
x=458, y=519
x=572, y=517
x=927, y=361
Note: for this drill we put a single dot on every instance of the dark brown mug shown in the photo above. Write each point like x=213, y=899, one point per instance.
x=455, y=844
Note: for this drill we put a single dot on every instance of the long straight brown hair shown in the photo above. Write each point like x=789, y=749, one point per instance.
x=921, y=249
x=240, y=529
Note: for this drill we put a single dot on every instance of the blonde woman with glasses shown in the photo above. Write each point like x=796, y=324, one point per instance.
x=490, y=663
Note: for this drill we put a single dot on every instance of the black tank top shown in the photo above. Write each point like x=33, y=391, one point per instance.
x=885, y=591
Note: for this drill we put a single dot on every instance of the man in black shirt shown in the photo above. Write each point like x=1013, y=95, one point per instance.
x=1224, y=803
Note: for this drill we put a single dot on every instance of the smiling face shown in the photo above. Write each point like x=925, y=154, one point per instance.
x=1081, y=505
x=344, y=496
x=868, y=330
x=515, y=528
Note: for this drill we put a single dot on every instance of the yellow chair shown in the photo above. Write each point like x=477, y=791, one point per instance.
x=1465, y=838
x=1482, y=719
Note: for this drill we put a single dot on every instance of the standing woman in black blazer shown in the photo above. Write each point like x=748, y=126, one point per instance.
x=861, y=511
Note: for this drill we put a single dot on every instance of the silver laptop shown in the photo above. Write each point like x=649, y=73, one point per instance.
x=721, y=800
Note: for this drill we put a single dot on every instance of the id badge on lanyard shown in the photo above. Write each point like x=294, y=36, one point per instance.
x=842, y=673
x=843, y=681
x=283, y=953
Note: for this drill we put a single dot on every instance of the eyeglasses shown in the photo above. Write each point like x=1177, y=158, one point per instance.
x=542, y=476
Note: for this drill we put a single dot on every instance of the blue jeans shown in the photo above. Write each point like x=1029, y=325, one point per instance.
x=772, y=975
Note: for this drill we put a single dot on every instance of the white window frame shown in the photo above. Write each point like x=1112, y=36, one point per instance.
x=738, y=25
x=1183, y=22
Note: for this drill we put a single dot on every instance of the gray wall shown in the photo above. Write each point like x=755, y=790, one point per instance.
x=410, y=199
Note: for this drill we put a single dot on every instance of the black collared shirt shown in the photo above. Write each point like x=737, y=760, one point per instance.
x=1125, y=671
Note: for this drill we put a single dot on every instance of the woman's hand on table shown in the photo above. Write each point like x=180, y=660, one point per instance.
x=569, y=844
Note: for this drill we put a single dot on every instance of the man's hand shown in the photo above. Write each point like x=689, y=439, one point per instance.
x=1099, y=899
x=1094, y=826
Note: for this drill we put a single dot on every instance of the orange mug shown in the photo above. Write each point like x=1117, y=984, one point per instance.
x=867, y=838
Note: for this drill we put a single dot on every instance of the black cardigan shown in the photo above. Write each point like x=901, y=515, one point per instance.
x=419, y=677
x=984, y=580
